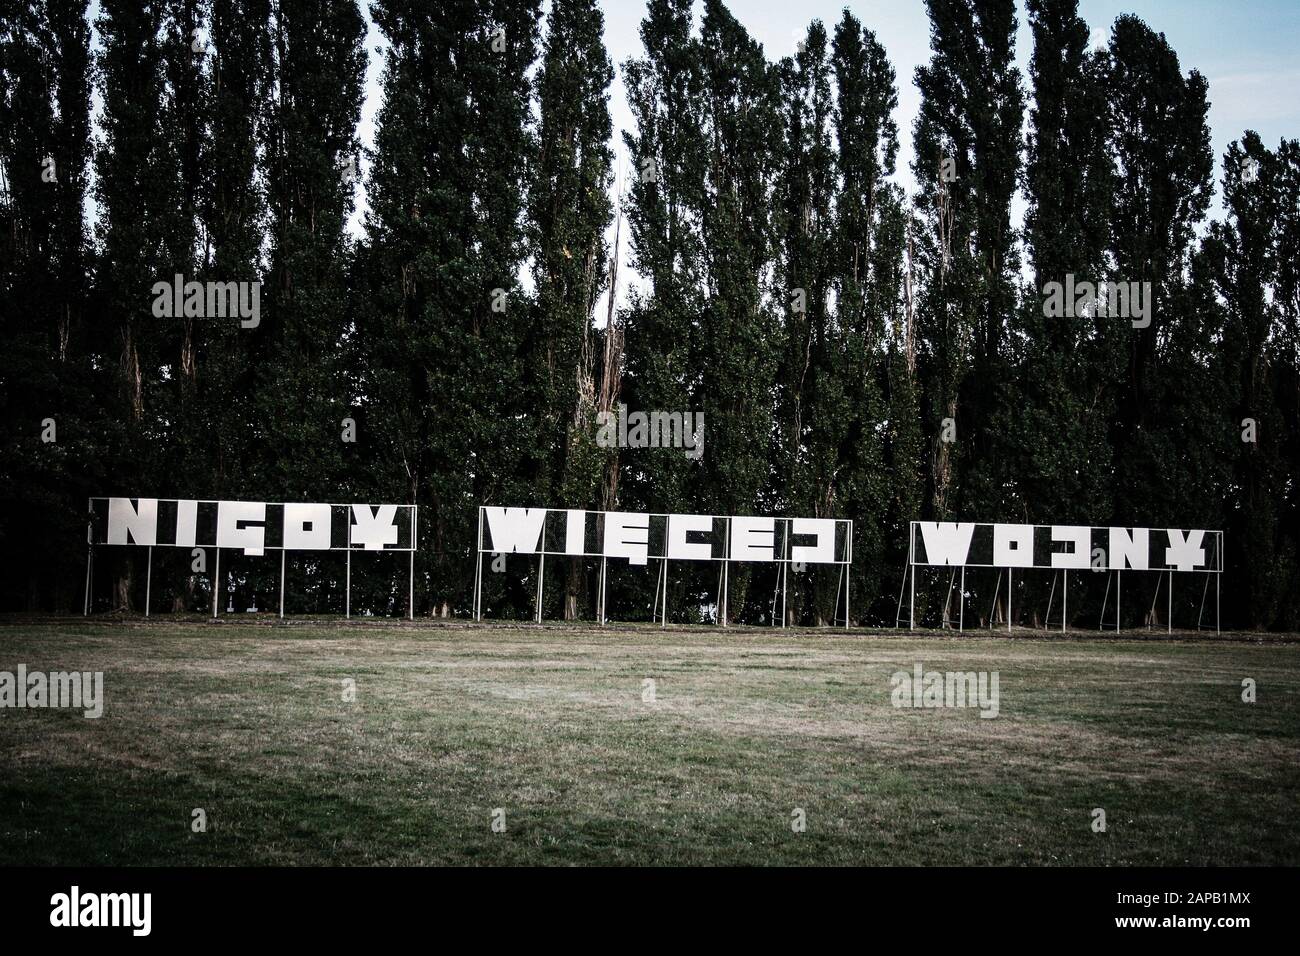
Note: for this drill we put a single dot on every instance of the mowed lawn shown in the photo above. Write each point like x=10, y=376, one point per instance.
x=549, y=726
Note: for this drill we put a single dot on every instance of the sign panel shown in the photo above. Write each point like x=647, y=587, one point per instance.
x=641, y=536
x=1082, y=547
x=253, y=527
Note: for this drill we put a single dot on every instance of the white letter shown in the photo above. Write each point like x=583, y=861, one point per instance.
x=374, y=529
x=142, y=524
x=946, y=542
x=1013, y=546
x=627, y=535
x=753, y=539
x=59, y=915
x=823, y=552
x=141, y=917
x=1186, y=554
x=1131, y=549
x=187, y=521
x=230, y=532
x=306, y=527
x=1080, y=537
x=515, y=530
x=575, y=531
x=681, y=549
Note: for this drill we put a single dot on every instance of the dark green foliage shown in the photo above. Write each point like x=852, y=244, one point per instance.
x=967, y=145
x=1067, y=370
x=834, y=332
x=442, y=371
x=50, y=339
x=1243, y=257
x=569, y=209
x=1162, y=189
x=668, y=155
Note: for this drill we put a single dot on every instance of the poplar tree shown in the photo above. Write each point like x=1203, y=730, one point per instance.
x=315, y=72
x=440, y=349
x=140, y=236
x=1284, y=352
x=967, y=145
x=667, y=148
x=569, y=209
x=1242, y=255
x=1162, y=189
x=47, y=390
x=877, y=431
x=810, y=405
x=1068, y=367
x=736, y=362
x=233, y=222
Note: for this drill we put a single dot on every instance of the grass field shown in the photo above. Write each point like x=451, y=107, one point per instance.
x=249, y=723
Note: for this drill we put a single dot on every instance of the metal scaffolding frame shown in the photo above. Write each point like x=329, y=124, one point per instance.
x=216, y=573
x=659, y=609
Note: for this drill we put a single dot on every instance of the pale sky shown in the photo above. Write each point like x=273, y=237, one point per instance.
x=1247, y=49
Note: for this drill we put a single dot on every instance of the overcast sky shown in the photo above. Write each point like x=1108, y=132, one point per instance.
x=1247, y=49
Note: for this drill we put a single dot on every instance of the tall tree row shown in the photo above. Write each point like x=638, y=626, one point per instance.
x=874, y=477
x=1067, y=370
x=316, y=70
x=966, y=142
x=569, y=209
x=442, y=345
x=57, y=436
x=668, y=152
x=855, y=352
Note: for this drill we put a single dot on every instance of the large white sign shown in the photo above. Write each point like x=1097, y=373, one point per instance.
x=1069, y=547
x=253, y=527
x=641, y=536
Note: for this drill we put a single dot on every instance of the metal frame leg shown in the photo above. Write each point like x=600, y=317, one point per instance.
x=1200, y=615
x=601, y=589
x=90, y=554
x=1105, y=599
x=997, y=589
x=961, y=603
x=1155, y=598
x=410, y=586
x=947, y=601
x=726, y=572
x=785, y=576
x=1119, y=597
x=1009, y=583
x=664, y=603
x=848, y=580
x=848, y=576
x=541, y=574
x=1051, y=596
